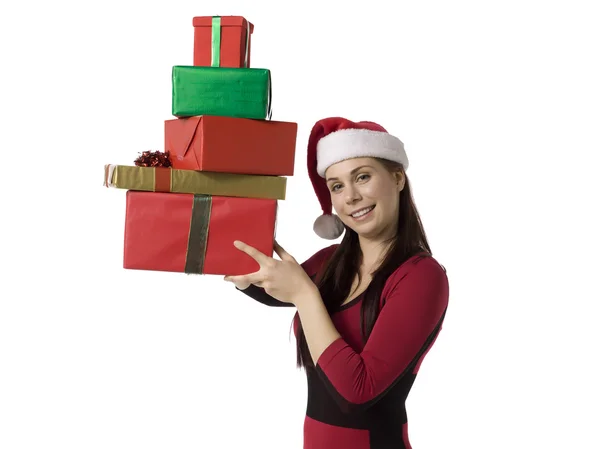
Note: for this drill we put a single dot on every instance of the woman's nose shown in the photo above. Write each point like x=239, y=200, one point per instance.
x=352, y=194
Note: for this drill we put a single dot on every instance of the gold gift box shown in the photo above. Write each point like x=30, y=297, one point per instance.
x=161, y=179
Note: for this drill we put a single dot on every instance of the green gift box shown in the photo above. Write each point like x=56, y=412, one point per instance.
x=224, y=91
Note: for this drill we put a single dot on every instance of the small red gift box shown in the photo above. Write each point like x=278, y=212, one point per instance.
x=194, y=234
x=222, y=41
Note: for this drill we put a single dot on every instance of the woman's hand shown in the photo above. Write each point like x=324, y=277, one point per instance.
x=283, y=279
x=242, y=285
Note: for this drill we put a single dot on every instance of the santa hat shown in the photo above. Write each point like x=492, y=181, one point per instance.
x=335, y=139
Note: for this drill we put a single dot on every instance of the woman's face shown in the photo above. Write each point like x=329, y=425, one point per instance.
x=365, y=196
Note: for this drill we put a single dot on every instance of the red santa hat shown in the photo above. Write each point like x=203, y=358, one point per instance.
x=335, y=139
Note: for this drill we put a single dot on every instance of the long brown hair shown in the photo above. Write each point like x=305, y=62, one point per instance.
x=337, y=275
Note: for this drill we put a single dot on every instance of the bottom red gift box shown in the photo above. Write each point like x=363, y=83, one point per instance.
x=194, y=234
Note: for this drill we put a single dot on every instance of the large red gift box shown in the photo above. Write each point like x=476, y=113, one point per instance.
x=194, y=234
x=231, y=145
x=222, y=41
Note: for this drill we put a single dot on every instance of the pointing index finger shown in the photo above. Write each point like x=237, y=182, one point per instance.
x=251, y=251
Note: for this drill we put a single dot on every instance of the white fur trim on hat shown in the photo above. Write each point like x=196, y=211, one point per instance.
x=350, y=143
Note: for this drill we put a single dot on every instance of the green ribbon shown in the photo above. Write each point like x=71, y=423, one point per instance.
x=216, y=42
x=247, y=44
x=196, y=249
x=269, y=105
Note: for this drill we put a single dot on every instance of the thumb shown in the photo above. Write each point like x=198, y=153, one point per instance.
x=239, y=282
x=282, y=253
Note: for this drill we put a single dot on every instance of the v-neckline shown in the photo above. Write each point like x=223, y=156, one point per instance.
x=352, y=302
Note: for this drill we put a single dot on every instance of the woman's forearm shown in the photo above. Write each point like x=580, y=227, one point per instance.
x=316, y=323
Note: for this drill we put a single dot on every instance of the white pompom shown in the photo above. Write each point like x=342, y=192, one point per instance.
x=328, y=227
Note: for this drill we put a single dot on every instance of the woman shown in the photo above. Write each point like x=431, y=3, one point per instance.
x=368, y=308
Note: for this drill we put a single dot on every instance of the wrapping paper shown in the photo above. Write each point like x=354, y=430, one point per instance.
x=159, y=179
x=222, y=41
x=231, y=145
x=230, y=92
x=194, y=234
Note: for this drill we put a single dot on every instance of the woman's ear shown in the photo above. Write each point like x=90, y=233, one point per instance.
x=400, y=180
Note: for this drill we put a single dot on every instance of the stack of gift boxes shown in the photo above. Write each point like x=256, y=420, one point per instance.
x=223, y=167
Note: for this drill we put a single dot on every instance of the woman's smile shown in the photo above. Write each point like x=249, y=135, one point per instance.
x=363, y=213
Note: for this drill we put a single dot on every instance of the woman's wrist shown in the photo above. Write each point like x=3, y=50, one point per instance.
x=310, y=294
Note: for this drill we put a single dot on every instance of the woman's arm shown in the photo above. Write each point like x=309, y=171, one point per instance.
x=404, y=331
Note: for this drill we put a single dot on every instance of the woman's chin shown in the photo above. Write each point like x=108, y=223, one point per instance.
x=365, y=229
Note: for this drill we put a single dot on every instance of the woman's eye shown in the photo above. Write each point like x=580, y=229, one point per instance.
x=363, y=177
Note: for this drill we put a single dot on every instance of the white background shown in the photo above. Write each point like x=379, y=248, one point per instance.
x=498, y=104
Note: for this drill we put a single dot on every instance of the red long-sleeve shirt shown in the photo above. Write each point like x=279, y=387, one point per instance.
x=357, y=393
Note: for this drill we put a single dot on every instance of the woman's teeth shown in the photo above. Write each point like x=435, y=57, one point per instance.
x=362, y=212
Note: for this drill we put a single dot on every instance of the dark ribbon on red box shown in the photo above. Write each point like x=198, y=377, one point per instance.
x=196, y=249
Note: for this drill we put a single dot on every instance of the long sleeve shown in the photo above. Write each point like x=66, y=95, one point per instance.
x=259, y=294
x=403, y=333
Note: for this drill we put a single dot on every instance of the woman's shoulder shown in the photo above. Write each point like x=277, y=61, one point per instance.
x=423, y=263
x=421, y=281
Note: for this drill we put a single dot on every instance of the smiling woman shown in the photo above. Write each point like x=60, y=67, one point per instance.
x=364, y=193
x=369, y=308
